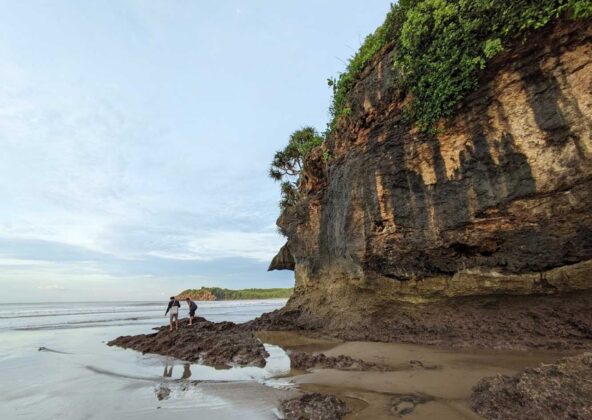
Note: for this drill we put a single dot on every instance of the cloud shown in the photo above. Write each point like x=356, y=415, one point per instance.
x=53, y=287
x=260, y=246
x=118, y=170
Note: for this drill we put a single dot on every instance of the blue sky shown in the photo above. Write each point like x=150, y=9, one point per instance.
x=136, y=135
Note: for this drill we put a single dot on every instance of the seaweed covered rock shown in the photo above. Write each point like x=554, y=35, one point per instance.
x=561, y=390
x=314, y=406
x=305, y=361
x=213, y=343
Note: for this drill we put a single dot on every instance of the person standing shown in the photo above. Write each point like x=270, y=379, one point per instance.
x=173, y=307
x=192, y=308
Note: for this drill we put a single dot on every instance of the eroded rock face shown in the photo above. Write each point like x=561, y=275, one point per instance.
x=213, y=343
x=283, y=260
x=561, y=390
x=499, y=202
x=553, y=322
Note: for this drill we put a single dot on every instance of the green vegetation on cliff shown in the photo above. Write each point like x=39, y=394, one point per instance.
x=287, y=163
x=219, y=293
x=440, y=47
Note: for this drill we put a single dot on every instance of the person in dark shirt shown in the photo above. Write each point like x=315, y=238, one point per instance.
x=192, y=308
x=173, y=307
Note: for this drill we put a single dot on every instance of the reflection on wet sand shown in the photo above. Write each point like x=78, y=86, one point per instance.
x=422, y=382
x=168, y=371
x=186, y=371
x=413, y=387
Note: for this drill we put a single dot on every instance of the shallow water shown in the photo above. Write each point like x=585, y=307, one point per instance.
x=52, y=316
x=77, y=376
x=423, y=383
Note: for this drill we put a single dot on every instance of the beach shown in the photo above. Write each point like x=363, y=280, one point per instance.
x=56, y=365
x=77, y=376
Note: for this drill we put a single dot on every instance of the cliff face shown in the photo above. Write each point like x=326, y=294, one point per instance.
x=499, y=202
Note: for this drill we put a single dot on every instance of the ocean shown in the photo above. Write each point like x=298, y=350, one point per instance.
x=55, y=364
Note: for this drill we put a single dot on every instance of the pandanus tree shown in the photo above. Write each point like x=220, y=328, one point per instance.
x=287, y=164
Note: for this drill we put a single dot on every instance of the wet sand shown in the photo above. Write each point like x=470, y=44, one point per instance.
x=424, y=383
x=78, y=376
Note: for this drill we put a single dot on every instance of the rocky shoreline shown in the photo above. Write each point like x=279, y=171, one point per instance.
x=227, y=344
x=556, y=322
x=217, y=344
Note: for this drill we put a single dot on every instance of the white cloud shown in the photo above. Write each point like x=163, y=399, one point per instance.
x=261, y=246
x=49, y=286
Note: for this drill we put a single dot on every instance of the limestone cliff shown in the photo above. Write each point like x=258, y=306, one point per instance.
x=498, y=202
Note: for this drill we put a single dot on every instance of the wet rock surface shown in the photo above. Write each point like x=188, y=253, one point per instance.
x=561, y=390
x=558, y=322
x=314, y=406
x=212, y=343
x=305, y=361
x=405, y=404
x=162, y=392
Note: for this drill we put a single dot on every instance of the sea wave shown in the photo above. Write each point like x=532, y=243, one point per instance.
x=44, y=316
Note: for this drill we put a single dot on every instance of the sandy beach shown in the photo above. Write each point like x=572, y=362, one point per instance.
x=70, y=373
x=80, y=377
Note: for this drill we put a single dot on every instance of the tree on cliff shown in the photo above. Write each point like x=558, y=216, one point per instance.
x=287, y=163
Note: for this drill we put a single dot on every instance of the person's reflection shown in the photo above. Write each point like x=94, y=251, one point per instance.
x=168, y=371
x=186, y=371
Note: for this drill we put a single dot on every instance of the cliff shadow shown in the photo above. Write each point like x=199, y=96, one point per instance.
x=423, y=232
x=554, y=107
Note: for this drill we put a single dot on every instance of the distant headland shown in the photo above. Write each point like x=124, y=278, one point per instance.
x=219, y=293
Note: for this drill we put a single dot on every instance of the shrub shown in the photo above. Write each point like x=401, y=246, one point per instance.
x=440, y=47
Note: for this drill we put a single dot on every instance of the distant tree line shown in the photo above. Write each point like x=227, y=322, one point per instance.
x=219, y=293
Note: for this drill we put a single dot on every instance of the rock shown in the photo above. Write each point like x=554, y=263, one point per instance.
x=283, y=260
x=561, y=390
x=306, y=361
x=215, y=344
x=417, y=364
x=497, y=203
x=559, y=322
x=314, y=406
x=51, y=350
x=162, y=392
x=405, y=404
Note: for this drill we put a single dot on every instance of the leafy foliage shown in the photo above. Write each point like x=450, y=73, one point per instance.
x=287, y=163
x=440, y=47
x=228, y=294
x=372, y=44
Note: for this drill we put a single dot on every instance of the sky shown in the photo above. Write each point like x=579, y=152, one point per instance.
x=136, y=136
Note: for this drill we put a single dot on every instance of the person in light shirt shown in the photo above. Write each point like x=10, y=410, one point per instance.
x=173, y=307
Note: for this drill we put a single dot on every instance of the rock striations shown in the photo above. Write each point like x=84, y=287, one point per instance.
x=411, y=228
